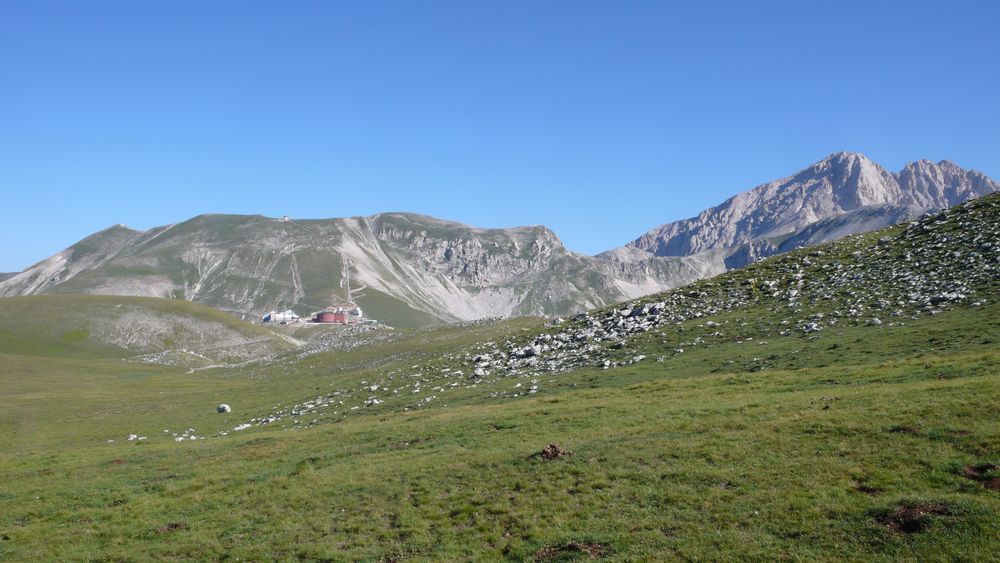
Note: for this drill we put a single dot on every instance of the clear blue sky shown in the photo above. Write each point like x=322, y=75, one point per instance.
x=597, y=119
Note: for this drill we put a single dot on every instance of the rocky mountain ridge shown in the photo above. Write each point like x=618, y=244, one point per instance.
x=418, y=270
x=414, y=269
x=837, y=185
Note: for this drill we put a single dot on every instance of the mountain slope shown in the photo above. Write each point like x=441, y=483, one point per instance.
x=861, y=220
x=417, y=270
x=878, y=282
x=837, y=185
x=161, y=331
x=762, y=414
x=945, y=261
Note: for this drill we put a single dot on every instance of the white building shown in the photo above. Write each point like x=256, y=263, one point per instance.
x=283, y=317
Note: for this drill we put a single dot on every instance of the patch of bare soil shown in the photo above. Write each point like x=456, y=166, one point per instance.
x=981, y=473
x=172, y=527
x=911, y=518
x=550, y=452
x=571, y=551
x=903, y=429
x=867, y=489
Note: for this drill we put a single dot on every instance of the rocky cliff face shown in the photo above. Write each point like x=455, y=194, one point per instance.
x=835, y=186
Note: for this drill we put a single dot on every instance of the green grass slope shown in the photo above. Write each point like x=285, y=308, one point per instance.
x=90, y=326
x=668, y=462
x=745, y=433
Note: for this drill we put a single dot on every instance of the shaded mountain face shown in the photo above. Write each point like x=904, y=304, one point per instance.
x=836, y=186
x=418, y=270
x=415, y=270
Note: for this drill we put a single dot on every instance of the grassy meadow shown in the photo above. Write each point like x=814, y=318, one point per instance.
x=860, y=444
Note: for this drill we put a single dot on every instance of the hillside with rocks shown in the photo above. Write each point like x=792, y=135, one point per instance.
x=943, y=261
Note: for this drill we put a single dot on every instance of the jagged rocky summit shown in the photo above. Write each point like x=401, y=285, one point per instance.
x=855, y=193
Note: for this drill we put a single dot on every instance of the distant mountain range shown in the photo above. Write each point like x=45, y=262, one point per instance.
x=419, y=270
